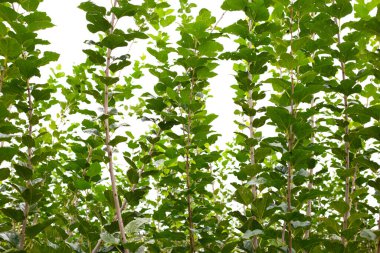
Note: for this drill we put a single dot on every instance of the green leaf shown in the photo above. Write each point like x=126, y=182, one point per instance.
x=108, y=80
x=8, y=14
x=229, y=247
x=4, y=173
x=14, y=214
x=114, y=67
x=135, y=35
x=95, y=57
x=280, y=117
x=28, y=67
x=39, y=95
x=30, y=5
x=133, y=176
x=94, y=170
x=47, y=58
x=33, y=231
x=170, y=235
x=98, y=23
x=130, y=162
x=108, y=238
x=134, y=226
x=210, y=48
x=117, y=140
x=340, y=206
x=38, y=21
x=234, y=5
x=240, y=28
x=257, y=10
x=203, y=21
x=7, y=153
x=134, y=197
x=167, y=21
x=23, y=171
x=126, y=10
x=28, y=141
x=244, y=195
x=9, y=47
x=82, y=184
x=369, y=132
x=91, y=7
x=113, y=41
x=341, y=8
x=287, y=61
x=156, y=104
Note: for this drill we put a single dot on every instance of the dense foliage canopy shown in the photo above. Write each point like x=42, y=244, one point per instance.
x=301, y=175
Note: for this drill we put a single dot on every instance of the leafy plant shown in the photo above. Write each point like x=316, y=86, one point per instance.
x=121, y=155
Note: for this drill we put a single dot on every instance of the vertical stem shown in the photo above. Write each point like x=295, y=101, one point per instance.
x=29, y=164
x=311, y=172
x=346, y=143
x=107, y=140
x=353, y=185
x=2, y=75
x=378, y=243
x=251, y=129
x=124, y=204
x=188, y=182
x=290, y=139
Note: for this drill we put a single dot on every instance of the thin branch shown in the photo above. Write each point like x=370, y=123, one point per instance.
x=107, y=141
x=217, y=22
x=188, y=157
x=255, y=242
x=290, y=139
x=125, y=202
x=346, y=143
x=30, y=166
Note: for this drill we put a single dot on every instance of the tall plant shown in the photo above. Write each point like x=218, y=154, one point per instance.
x=26, y=150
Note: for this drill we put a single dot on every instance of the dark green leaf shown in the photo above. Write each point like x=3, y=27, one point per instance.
x=32, y=231
x=244, y=195
x=95, y=57
x=23, y=171
x=91, y=7
x=14, y=214
x=4, y=173
x=41, y=94
x=28, y=141
x=7, y=153
x=9, y=47
x=133, y=176
x=113, y=41
x=234, y=5
x=117, y=140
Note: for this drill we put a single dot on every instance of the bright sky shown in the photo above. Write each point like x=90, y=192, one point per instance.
x=70, y=32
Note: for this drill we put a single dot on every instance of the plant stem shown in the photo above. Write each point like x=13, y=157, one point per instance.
x=2, y=75
x=188, y=182
x=107, y=140
x=29, y=164
x=346, y=143
x=290, y=140
x=311, y=172
x=251, y=130
x=124, y=204
x=378, y=243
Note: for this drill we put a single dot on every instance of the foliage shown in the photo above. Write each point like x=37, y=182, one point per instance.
x=121, y=155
